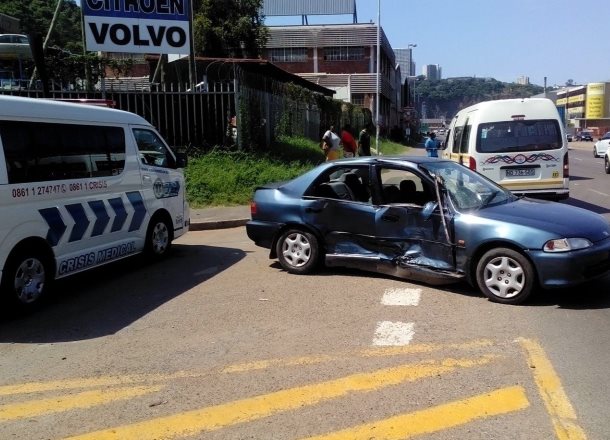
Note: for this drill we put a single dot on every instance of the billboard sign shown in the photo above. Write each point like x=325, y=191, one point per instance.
x=137, y=26
x=595, y=100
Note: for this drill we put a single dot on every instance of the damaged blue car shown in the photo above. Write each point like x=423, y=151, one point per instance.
x=428, y=220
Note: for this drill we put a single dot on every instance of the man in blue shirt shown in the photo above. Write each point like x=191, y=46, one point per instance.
x=431, y=146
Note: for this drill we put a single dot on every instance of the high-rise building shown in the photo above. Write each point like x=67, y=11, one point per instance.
x=432, y=72
x=523, y=80
x=404, y=58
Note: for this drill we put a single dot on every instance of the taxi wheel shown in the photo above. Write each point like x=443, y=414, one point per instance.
x=298, y=251
x=158, y=237
x=26, y=278
x=505, y=276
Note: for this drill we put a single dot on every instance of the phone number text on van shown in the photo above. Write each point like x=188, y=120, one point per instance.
x=42, y=190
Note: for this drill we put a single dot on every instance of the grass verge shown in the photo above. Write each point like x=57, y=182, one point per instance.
x=227, y=178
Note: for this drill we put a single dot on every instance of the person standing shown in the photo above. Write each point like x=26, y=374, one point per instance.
x=348, y=142
x=331, y=144
x=364, y=142
x=432, y=145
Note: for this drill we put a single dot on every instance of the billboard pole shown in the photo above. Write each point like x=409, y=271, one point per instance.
x=192, y=65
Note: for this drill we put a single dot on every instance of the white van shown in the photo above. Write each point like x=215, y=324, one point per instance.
x=518, y=143
x=81, y=186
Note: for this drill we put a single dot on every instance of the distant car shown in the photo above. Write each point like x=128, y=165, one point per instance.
x=429, y=220
x=601, y=146
x=14, y=46
x=584, y=136
x=569, y=137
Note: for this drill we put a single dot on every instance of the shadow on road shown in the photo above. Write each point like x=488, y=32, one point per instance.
x=580, y=178
x=103, y=301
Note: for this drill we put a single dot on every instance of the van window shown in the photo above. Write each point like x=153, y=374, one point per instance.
x=152, y=150
x=465, y=139
x=38, y=151
x=534, y=135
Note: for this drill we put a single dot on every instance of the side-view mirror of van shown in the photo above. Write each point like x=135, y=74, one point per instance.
x=181, y=160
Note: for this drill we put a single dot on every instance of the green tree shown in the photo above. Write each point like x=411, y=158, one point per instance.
x=229, y=28
x=35, y=17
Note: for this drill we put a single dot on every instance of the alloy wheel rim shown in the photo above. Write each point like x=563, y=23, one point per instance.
x=160, y=238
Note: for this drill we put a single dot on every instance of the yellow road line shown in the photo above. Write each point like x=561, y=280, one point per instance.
x=86, y=399
x=246, y=410
x=369, y=352
x=555, y=399
x=438, y=418
x=55, y=385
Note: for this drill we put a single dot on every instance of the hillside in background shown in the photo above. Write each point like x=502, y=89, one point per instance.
x=446, y=97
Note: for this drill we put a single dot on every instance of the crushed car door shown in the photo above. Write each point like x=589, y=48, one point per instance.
x=413, y=229
x=339, y=207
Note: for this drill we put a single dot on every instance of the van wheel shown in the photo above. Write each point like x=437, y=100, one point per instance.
x=26, y=278
x=158, y=237
x=505, y=276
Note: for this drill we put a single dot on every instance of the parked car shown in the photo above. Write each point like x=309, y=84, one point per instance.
x=584, y=136
x=14, y=46
x=428, y=220
x=600, y=147
x=569, y=137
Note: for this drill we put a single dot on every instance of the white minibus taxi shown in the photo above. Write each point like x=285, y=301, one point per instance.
x=81, y=186
x=518, y=143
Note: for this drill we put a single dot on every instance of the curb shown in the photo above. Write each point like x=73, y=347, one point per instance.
x=217, y=224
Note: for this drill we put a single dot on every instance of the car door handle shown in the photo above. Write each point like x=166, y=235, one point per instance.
x=390, y=218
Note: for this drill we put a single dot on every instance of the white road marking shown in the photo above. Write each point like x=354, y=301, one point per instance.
x=598, y=192
x=401, y=297
x=393, y=333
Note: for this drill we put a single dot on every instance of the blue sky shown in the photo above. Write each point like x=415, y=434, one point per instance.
x=559, y=39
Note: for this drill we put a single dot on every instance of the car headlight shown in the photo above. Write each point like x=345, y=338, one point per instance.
x=566, y=244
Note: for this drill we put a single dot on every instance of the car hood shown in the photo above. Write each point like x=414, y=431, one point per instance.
x=555, y=218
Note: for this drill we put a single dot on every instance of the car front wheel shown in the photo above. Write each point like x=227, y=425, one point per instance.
x=158, y=238
x=606, y=164
x=298, y=251
x=505, y=276
x=26, y=278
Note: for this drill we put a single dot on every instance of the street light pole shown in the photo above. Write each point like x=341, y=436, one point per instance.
x=378, y=77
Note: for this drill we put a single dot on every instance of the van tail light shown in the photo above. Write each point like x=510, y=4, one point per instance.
x=566, y=166
x=252, y=208
x=472, y=164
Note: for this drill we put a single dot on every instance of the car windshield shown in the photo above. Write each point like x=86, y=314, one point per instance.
x=467, y=189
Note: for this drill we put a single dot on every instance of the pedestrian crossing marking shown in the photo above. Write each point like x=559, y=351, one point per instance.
x=394, y=333
x=438, y=418
x=86, y=399
x=401, y=297
x=194, y=422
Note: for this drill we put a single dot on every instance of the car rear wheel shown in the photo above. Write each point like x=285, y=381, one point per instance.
x=298, y=251
x=606, y=164
x=505, y=276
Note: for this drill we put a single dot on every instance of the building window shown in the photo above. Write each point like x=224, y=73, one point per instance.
x=288, y=55
x=346, y=53
x=358, y=99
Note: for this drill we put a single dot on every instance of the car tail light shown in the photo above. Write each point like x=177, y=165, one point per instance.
x=566, y=166
x=472, y=164
x=253, y=208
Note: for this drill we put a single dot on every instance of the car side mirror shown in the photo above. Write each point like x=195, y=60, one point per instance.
x=428, y=209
